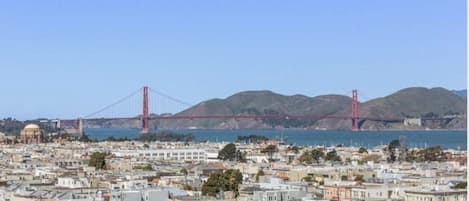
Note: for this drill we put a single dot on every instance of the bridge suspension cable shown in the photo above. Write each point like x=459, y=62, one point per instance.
x=114, y=104
x=171, y=98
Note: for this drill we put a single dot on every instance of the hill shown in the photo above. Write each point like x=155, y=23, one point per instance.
x=416, y=102
x=462, y=93
x=258, y=103
x=409, y=102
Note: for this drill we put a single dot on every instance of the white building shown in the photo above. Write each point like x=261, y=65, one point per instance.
x=412, y=122
x=436, y=195
x=72, y=182
x=144, y=195
x=278, y=195
x=165, y=154
x=129, y=184
x=279, y=184
x=379, y=192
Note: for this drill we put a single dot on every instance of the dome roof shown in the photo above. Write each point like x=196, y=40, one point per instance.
x=31, y=126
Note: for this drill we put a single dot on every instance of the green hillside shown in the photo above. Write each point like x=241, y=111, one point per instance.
x=409, y=102
x=415, y=102
x=406, y=103
x=259, y=103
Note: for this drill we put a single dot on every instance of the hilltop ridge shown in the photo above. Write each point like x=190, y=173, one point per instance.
x=413, y=102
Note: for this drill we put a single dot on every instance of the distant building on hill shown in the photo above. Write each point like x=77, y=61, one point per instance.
x=412, y=122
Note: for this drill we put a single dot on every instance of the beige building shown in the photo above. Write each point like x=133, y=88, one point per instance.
x=436, y=195
x=334, y=192
x=31, y=134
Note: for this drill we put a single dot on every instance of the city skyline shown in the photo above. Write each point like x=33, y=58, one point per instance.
x=66, y=60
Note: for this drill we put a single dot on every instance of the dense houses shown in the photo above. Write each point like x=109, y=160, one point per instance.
x=134, y=170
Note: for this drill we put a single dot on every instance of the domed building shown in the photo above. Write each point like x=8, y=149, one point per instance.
x=31, y=134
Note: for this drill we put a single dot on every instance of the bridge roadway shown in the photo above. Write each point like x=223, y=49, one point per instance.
x=267, y=116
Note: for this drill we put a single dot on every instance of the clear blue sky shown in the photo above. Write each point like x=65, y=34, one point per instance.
x=69, y=58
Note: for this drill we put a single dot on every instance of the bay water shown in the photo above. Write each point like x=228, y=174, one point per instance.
x=444, y=138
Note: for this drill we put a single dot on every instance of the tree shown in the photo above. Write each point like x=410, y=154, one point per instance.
x=213, y=185
x=185, y=173
x=241, y=156
x=97, y=160
x=167, y=136
x=359, y=179
x=309, y=157
x=259, y=174
x=270, y=150
x=233, y=178
x=344, y=178
x=228, y=181
x=306, y=157
x=462, y=185
x=147, y=167
x=332, y=156
x=433, y=153
x=228, y=152
x=393, y=145
x=307, y=178
x=252, y=139
x=295, y=149
x=362, y=150
x=317, y=154
x=372, y=157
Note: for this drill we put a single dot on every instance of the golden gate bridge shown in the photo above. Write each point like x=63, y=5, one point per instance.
x=145, y=117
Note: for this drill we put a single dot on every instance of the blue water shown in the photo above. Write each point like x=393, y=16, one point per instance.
x=446, y=139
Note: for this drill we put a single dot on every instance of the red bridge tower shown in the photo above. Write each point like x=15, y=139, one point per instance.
x=355, y=111
x=145, y=114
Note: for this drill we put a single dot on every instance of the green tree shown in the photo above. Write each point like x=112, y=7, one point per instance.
x=462, y=185
x=295, y=149
x=433, y=154
x=234, y=178
x=307, y=178
x=241, y=156
x=213, y=185
x=309, y=157
x=270, y=150
x=359, y=179
x=228, y=152
x=185, y=173
x=371, y=157
x=362, y=150
x=97, y=160
x=228, y=181
x=306, y=157
x=393, y=145
x=147, y=167
x=259, y=174
x=317, y=154
x=252, y=139
x=332, y=156
x=429, y=154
